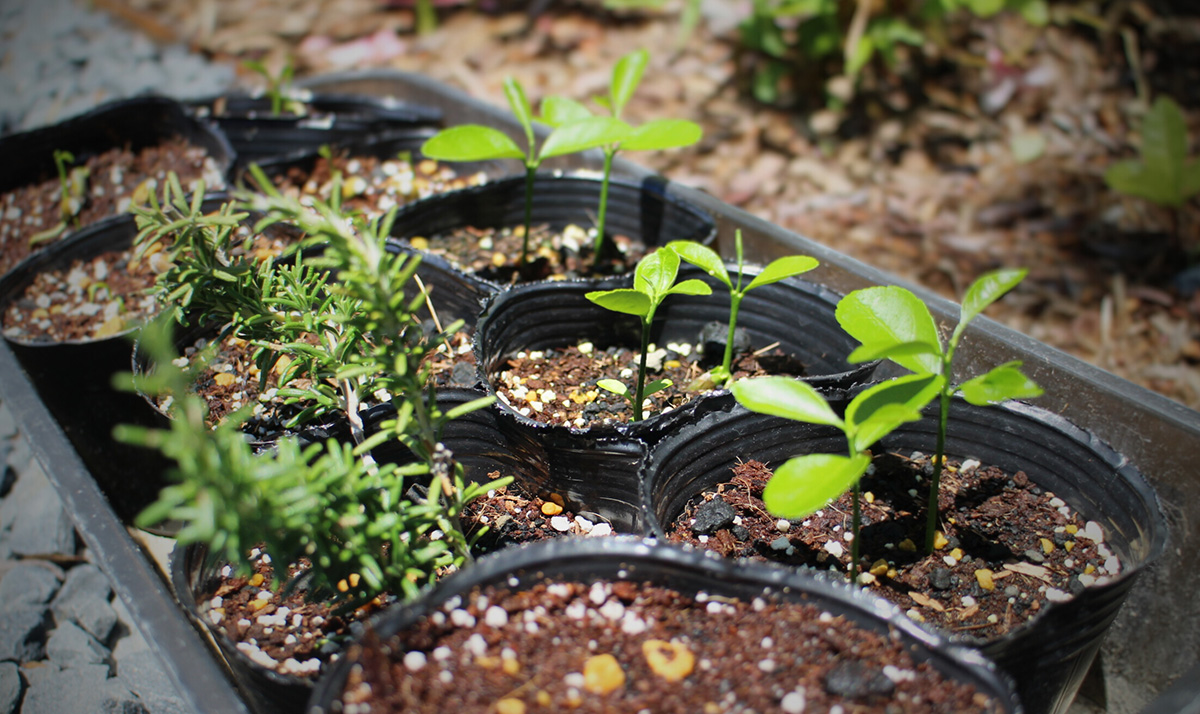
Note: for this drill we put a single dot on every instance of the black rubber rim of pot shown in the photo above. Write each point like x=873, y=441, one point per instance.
x=1047, y=657
x=138, y=123
x=334, y=119
x=690, y=571
x=643, y=211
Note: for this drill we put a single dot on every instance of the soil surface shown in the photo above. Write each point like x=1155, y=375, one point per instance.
x=513, y=517
x=559, y=386
x=112, y=180
x=624, y=647
x=370, y=185
x=1007, y=548
x=495, y=254
x=90, y=300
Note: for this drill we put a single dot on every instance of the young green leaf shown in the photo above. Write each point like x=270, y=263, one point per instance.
x=656, y=272
x=987, y=289
x=702, y=257
x=1163, y=175
x=803, y=485
x=884, y=317
x=1000, y=384
x=615, y=386
x=583, y=134
x=471, y=142
x=879, y=410
x=662, y=134
x=785, y=397
x=783, y=268
x=625, y=300
x=626, y=76
x=558, y=110
x=519, y=105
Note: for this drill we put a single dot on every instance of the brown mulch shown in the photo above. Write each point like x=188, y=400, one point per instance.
x=921, y=181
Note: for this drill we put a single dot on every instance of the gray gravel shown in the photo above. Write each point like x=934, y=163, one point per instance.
x=61, y=59
x=66, y=645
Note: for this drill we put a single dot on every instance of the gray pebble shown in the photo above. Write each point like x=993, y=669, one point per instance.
x=29, y=583
x=712, y=516
x=78, y=689
x=70, y=646
x=1034, y=555
x=142, y=673
x=11, y=687
x=22, y=633
x=42, y=526
x=83, y=600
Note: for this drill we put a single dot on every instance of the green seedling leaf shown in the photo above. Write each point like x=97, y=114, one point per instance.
x=989, y=288
x=558, y=110
x=804, y=485
x=1000, y=384
x=624, y=300
x=866, y=353
x=471, y=142
x=883, y=422
x=656, y=272
x=913, y=391
x=626, y=76
x=662, y=134
x=615, y=386
x=690, y=287
x=656, y=386
x=583, y=134
x=1163, y=175
x=782, y=268
x=785, y=397
x=886, y=317
x=519, y=104
x=702, y=257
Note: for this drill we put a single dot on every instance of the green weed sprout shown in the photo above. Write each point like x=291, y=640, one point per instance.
x=1163, y=175
x=651, y=136
x=653, y=281
x=72, y=192
x=710, y=262
x=279, y=87
x=804, y=484
x=475, y=142
x=892, y=323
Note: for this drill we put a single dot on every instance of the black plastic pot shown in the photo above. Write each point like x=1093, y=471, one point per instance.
x=331, y=120
x=690, y=572
x=136, y=123
x=643, y=212
x=75, y=379
x=602, y=460
x=1047, y=657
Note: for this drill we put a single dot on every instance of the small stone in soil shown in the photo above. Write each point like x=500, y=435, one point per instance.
x=940, y=579
x=712, y=516
x=855, y=680
x=714, y=335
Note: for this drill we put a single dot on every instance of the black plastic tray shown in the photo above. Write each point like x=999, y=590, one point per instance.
x=1155, y=641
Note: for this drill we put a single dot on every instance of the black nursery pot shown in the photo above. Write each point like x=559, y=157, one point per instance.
x=193, y=572
x=690, y=572
x=599, y=462
x=75, y=378
x=330, y=120
x=643, y=212
x=135, y=123
x=1047, y=657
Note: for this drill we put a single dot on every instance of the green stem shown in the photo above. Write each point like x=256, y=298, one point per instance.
x=603, y=210
x=939, y=457
x=641, y=379
x=530, y=172
x=855, y=522
x=735, y=301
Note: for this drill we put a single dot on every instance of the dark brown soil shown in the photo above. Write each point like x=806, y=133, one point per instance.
x=115, y=179
x=513, y=517
x=494, y=254
x=1009, y=547
x=288, y=633
x=559, y=386
x=92, y=299
x=373, y=186
x=624, y=647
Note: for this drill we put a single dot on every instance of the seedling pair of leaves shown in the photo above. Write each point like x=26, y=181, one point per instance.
x=710, y=262
x=574, y=129
x=1163, y=175
x=653, y=282
x=72, y=193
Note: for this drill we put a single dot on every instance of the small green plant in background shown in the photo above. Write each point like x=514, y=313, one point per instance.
x=710, y=262
x=893, y=323
x=654, y=135
x=805, y=484
x=653, y=281
x=72, y=194
x=475, y=142
x=1163, y=175
x=279, y=87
